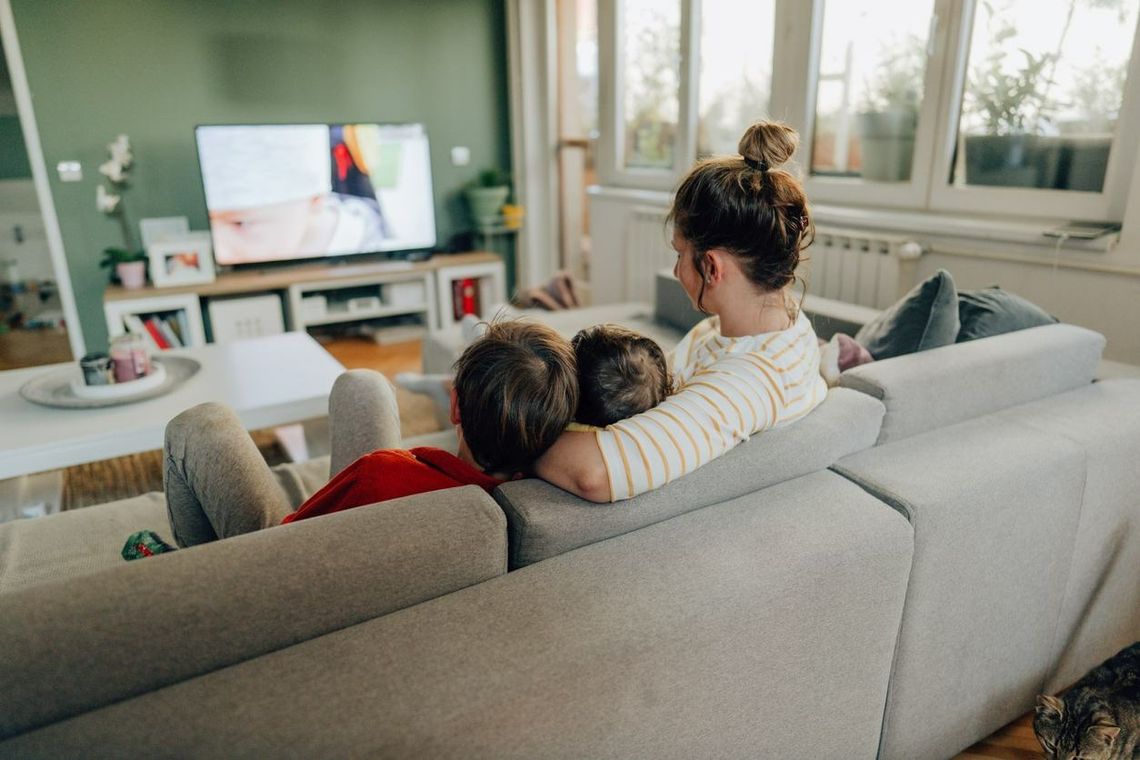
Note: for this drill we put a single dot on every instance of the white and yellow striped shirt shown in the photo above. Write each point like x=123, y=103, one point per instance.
x=724, y=390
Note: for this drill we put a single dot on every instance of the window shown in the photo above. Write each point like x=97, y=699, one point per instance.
x=650, y=61
x=871, y=68
x=1002, y=107
x=735, y=71
x=1044, y=86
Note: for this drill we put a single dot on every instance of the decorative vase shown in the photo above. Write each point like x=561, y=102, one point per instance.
x=132, y=274
x=887, y=144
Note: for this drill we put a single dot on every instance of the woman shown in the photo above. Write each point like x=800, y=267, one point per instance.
x=739, y=227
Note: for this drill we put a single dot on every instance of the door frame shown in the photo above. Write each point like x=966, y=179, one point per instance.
x=18, y=74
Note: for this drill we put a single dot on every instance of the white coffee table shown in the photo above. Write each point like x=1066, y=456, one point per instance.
x=268, y=381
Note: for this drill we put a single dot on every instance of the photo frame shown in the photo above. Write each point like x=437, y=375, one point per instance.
x=183, y=260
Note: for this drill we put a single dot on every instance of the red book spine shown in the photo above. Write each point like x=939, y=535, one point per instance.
x=469, y=306
x=152, y=328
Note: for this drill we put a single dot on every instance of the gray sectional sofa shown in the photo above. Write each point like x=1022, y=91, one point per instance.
x=895, y=576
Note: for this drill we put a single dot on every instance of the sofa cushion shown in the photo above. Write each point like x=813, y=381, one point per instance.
x=73, y=646
x=993, y=311
x=925, y=318
x=546, y=521
x=725, y=633
x=954, y=383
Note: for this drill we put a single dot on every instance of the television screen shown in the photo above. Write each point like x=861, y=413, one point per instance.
x=298, y=191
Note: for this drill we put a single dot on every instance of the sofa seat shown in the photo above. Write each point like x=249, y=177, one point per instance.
x=726, y=632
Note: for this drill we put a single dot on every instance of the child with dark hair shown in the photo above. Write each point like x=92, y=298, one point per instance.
x=515, y=390
x=620, y=373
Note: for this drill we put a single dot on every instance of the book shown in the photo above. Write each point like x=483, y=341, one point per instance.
x=464, y=297
x=151, y=326
x=176, y=328
x=184, y=324
x=168, y=333
x=135, y=326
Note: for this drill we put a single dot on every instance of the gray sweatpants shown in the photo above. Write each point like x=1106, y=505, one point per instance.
x=217, y=483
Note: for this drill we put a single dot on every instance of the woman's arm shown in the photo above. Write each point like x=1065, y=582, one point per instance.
x=574, y=463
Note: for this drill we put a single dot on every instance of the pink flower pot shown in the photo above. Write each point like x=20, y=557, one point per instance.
x=132, y=274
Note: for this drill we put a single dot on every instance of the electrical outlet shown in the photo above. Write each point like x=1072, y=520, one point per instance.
x=70, y=171
x=460, y=155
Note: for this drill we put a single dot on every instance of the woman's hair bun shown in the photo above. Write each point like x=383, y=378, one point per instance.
x=770, y=142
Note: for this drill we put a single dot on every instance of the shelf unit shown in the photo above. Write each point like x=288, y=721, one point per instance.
x=490, y=277
x=346, y=300
x=183, y=307
x=378, y=291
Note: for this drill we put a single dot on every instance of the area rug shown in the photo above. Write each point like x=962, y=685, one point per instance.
x=124, y=477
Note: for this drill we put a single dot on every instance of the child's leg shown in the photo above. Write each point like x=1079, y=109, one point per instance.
x=217, y=483
x=363, y=417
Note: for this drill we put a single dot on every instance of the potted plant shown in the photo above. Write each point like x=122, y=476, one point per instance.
x=889, y=116
x=486, y=195
x=1087, y=139
x=128, y=262
x=1016, y=111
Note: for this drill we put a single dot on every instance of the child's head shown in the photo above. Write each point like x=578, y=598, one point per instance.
x=620, y=373
x=516, y=389
x=747, y=206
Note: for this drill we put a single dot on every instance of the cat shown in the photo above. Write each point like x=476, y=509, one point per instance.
x=1097, y=719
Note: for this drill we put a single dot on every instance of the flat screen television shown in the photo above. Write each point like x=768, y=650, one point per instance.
x=284, y=192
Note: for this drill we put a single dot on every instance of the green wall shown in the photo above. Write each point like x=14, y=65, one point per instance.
x=156, y=68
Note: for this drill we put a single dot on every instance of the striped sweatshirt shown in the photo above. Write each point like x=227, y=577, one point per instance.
x=724, y=391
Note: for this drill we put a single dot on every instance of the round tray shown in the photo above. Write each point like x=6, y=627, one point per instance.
x=55, y=388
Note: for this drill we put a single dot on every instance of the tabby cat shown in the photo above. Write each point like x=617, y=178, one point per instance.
x=1097, y=719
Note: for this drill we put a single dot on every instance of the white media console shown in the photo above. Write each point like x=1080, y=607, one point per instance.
x=402, y=299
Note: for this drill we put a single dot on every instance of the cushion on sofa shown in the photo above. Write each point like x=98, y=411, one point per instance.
x=925, y=318
x=993, y=311
x=76, y=645
x=954, y=383
x=545, y=521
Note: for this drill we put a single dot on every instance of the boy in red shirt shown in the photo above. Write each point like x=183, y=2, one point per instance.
x=515, y=391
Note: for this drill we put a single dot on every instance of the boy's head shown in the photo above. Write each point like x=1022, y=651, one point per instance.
x=516, y=389
x=620, y=373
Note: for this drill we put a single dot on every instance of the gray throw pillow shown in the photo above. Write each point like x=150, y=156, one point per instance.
x=993, y=311
x=926, y=317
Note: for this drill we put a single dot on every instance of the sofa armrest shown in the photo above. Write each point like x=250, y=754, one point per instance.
x=77, y=645
x=940, y=387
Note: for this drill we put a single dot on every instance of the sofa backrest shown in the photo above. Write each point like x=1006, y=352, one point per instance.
x=936, y=388
x=751, y=629
x=76, y=645
x=545, y=521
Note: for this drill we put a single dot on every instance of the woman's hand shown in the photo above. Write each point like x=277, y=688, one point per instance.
x=574, y=463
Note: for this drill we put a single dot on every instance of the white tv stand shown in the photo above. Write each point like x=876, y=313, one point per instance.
x=351, y=292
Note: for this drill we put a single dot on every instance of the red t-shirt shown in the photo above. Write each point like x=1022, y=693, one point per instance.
x=390, y=474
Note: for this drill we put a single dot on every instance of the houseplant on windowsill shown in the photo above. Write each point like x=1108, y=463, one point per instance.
x=889, y=116
x=486, y=195
x=127, y=263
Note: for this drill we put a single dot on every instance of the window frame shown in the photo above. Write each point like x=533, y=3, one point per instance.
x=797, y=30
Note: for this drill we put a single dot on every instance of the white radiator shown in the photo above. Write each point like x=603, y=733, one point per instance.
x=647, y=249
x=860, y=267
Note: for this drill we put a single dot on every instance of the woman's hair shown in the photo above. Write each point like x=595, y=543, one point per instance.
x=517, y=389
x=749, y=206
x=620, y=373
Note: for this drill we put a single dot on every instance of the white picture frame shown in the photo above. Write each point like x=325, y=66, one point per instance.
x=185, y=260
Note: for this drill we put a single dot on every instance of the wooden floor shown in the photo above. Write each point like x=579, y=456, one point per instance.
x=31, y=348
x=1014, y=742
